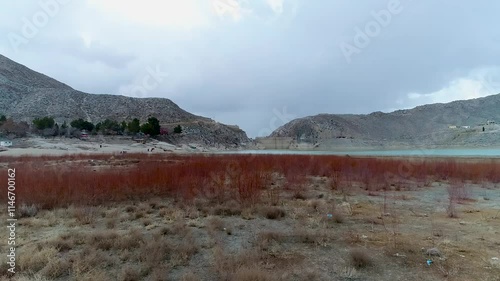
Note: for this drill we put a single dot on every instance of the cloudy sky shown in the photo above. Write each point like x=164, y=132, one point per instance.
x=261, y=63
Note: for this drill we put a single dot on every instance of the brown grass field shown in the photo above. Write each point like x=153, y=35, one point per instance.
x=253, y=218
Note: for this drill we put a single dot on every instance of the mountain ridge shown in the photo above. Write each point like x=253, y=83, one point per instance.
x=430, y=124
x=27, y=94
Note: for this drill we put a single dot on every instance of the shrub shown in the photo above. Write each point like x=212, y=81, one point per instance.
x=56, y=268
x=360, y=258
x=273, y=213
x=178, y=129
x=130, y=273
x=26, y=211
x=337, y=217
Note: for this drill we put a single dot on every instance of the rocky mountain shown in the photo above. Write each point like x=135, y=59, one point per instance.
x=26, y=94
x=427, y=125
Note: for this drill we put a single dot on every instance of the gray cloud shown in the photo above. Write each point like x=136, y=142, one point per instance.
x=238, y=72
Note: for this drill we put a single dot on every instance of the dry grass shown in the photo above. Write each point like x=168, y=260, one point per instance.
x=103, y=239
x=272, y=213
x=85, y=215
x=182, y=226
x=34, y=258
x=56, y=268
x=129, y=240
x=360, y=258
x=253, y=274
x=130, y=273
x=215, y=224
x=160, y=273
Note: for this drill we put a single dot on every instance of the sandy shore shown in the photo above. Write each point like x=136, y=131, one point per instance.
x=62, y=146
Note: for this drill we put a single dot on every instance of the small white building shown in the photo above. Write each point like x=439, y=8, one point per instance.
x=490, y=122
x=5, y=143
x=466, y=127
x=452, y=127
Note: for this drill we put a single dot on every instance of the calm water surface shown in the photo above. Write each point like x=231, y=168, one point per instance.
x=476, y=152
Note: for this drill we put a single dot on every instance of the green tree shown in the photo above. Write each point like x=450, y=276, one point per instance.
x=44, y=123
x=109, y=126
x=82, y=124
x=155, y=124
x=2, y=119
x=134, y=126
x=152, y=127
x=123, y=127
x=178, y=129
x=147, y=129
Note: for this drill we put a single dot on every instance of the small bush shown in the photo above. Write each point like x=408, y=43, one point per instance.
x=130, y=209
x=215, y=223
x=103, y=240
x=130, y=273
x=85, y=215
x=35, y=258
x=338, y=217
x=360, y=259
x=27, y=211
x=56, y=268
x=111, y=223
x=230, y=209
x=273, y=213
x=129, y=241
x=298, y=195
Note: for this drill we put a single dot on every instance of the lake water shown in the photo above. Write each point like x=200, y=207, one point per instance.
x=476, y=152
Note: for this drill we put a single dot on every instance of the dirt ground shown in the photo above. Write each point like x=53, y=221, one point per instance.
x=313, y=234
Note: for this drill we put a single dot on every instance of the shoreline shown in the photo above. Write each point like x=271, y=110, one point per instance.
x=62, y=147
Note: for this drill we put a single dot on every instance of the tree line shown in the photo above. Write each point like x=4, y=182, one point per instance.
x=46, y=126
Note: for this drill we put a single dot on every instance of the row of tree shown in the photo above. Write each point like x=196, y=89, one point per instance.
x=108, y=127
x=46, y=126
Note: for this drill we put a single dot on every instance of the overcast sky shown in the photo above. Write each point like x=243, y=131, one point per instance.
x=261, y=63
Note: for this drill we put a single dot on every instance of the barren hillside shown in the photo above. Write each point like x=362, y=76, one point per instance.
x=26, y=94
x=423, y=125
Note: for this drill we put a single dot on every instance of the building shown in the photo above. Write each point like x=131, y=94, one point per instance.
x=466, y=127
x=452, y=127
x=5, y=143
x=490, y=122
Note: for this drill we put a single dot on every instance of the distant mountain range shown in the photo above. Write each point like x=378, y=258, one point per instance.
x=458, y=123
x=26, y=94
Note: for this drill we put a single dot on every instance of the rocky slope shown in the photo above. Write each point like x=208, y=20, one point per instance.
x=427, y=125
x=26, y=94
